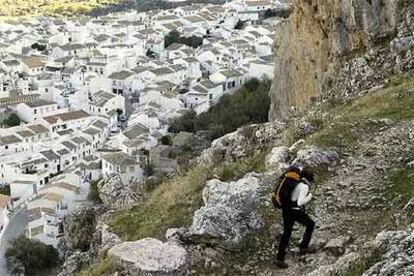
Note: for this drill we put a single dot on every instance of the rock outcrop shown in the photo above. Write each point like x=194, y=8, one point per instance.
x=398, y=258
x=116, y=193
x=151, y=257
x=277, y=158
x=229, y=213
x=242, y=143
x=317, y=49
x=74, y=263
x=79, y=227
x=314, y=157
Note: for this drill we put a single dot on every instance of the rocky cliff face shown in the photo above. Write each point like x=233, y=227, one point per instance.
x=314, y=48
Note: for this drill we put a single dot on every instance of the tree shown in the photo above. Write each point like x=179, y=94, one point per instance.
x=166, y=140
x=175, y=37
x=249, y=105
x=38, y=47
x=94, y=192
x=5, y=190
x=33, y=255
x=239, y=25
x=12, y=120
x=269, y=13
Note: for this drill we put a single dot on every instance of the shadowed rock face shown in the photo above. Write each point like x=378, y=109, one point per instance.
x=320, y=35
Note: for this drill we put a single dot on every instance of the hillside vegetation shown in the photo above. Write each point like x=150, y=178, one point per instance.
x=353, y=128
x=10, y=8
x=250, y=105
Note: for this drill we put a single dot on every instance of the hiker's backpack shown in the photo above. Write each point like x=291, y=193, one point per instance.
x=281, y=195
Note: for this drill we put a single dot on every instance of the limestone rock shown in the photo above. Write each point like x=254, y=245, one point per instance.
x=315, y=157
x=342, y=265
x=115, y=193
x=398, y=258
x=276, y=158
x=241, y=195
x=74, y=263
x=151, y=257
x=311, y=46
x=337, y=246
x=241, y=142
x=229, y=214
x=79, y=227
x=177, y=235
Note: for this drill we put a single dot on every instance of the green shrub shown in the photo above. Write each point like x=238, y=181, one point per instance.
x=239, y=25
x=250, y=105
x=12, y=120
x=5, y=190
x=105, y=267
x=166, y=140
x=94, y=192
x=32, y=254
x=175, y=37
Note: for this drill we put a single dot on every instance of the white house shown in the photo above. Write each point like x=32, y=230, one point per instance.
x=230, y=79
x=31, y=111
x=102, y=103
x=128, y=167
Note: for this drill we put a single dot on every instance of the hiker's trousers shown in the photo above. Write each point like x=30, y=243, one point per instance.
x=290, y=216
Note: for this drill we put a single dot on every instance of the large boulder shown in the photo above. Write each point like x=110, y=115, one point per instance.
x=115, y=192
x=398, y=258
x=229, y=214
x=315, y=157
x=151, y=257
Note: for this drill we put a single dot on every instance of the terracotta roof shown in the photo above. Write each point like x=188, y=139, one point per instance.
x=4, y=201
x=53, y=197
x=34, y=62
x=67, y=116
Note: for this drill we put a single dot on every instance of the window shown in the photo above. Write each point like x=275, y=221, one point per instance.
x=224, y=87
x=35, y=111
x=210, y=96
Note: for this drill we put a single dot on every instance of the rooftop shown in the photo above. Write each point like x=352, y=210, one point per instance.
x=67, y=116
x=120, y=158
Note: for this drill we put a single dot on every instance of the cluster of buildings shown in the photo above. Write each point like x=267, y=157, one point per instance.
x=95, y=95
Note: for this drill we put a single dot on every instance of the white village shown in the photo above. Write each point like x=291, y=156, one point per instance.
x=94, y=96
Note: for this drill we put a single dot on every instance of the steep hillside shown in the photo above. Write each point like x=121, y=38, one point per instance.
x=316, y=49
x=219, y=211
x=50, y=7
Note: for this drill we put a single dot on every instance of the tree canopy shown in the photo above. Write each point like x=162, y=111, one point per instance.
x=176, y=37
x=33, y=255
x=249, y=105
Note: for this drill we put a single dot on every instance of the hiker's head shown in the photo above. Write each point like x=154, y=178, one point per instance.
x=307, y=174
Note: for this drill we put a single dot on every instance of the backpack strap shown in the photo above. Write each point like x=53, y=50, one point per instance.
x=293, y=175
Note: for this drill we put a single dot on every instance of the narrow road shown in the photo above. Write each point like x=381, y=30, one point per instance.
x=14, y=229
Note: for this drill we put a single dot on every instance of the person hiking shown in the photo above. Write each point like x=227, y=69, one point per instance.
x=292, y=194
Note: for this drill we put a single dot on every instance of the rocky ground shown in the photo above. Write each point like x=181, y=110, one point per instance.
x=363, y=214
x=217, y=219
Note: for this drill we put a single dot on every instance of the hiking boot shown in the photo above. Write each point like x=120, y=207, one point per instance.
x=281, y=264
x=309, y=250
